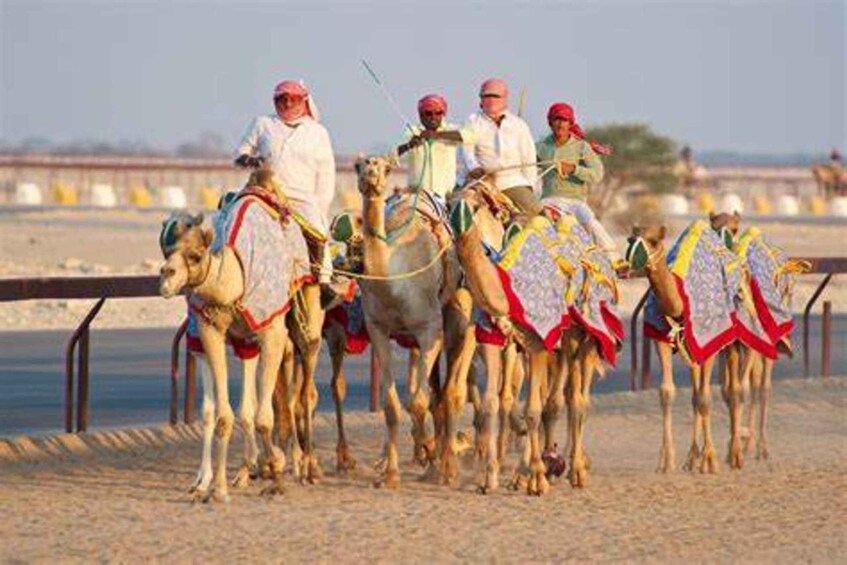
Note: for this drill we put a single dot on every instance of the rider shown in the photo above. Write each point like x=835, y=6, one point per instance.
x=578, y=167
x=430, y=148
x=501, y=148
x=297, y=148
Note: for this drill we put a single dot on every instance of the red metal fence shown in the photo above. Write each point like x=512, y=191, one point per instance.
x=102, y=288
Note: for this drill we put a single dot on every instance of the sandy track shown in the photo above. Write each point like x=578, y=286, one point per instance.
x=121, y=496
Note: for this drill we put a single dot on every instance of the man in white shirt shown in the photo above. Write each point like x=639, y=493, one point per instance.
x=297, y=148
x=502, y=149
x=430, y=149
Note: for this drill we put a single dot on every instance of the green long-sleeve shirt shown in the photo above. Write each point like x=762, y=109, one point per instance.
x=589, y=167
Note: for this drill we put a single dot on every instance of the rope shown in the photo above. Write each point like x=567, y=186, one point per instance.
x=400, y=276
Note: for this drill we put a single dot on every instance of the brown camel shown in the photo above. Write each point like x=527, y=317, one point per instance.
x=218, y=280
x=646, y=251
x=410, y=274
x=831, y=180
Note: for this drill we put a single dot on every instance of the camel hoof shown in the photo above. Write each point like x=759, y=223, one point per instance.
x=216, y=496
x=538, y=485
x=709, y=463
x=691, y=460
x=519, y=481
x=579, y=478
x=276, y=489
x=243, y=477
x=389, y=480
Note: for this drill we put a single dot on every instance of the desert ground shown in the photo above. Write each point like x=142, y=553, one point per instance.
x=122, y=495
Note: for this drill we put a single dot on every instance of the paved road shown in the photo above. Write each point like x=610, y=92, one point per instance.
x=130, y=382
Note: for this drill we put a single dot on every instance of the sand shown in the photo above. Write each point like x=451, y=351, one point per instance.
x=121, y=496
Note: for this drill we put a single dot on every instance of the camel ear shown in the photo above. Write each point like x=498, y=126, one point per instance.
x=663, y=230
x=196, y=220
x=712, y=217
x=360, y=161
x=208, y=236
x=637, y=230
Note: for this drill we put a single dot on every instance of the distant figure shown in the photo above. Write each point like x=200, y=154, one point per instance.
x=831, y=177
x=689, y=174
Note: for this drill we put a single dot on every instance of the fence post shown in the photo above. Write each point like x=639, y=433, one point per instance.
x=82, y=390
x=806, y=313
x=826, y=331
x=645, y=362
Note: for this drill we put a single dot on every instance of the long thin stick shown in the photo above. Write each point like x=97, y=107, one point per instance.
x=388, y=96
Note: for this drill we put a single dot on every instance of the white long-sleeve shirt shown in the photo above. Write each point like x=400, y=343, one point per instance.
x=495, y=147
x=301, y=157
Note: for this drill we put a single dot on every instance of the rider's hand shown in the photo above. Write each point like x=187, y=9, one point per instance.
x=566, y=168
x=476, y=173
x=242, y=161
x=256, y=162
x=415, y=141
x=429, y=134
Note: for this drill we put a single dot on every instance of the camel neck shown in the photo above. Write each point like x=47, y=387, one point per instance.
x=223, y=283
x=663, y=283
x=374, y=241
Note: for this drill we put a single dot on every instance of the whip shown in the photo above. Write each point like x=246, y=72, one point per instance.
x=388, y=96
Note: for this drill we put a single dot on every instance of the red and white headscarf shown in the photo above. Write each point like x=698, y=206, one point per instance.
x=307, y=108
x=432, y=102
x=494, y=106
x=564, y=111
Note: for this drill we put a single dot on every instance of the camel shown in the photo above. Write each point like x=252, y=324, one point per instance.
x=218, y=280
x=410, y=274
x=747, y=368
x=646, y=251
x=830, y=179
x=477, y=229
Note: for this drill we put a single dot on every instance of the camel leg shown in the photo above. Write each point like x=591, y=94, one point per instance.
x=555, y=398
x=736, y=405
x=764, y=404
x=667, y=392
x=336, y=340
x=390, y=477
x=246, y=415
x=507, y=400
x=308, y=392
x=214, y=347
x=694, y=452
x=537, y=484
x=204, y=475
x=515, y=379
x=751, y=387
x=431, y=342
x=709, y=462
x=588, y=359
x=272, y=342
x=460, y=341
x=490, y=409
x=286, y=395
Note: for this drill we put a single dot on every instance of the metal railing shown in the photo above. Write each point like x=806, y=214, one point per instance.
x=102, y=288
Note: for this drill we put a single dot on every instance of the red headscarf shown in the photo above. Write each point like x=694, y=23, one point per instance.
x=432, y=102
x=294, y=88
x=564, y=111
x=496, y=106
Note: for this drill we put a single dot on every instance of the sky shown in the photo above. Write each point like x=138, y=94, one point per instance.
x=747, y=76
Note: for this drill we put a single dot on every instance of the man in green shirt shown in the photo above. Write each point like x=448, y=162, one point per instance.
x=577, y=167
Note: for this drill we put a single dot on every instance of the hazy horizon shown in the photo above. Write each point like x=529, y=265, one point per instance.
x=744, y=77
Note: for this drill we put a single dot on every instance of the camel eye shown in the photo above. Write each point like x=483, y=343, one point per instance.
x=193, y=256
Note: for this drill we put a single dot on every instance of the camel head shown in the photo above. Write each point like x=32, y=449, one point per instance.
x=185, y=244
x=727, y=226
x=644, y=242
x=373, y=174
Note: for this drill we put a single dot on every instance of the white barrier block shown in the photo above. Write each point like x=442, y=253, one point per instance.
x=731, y=203
x=174, y=197
x=838, y=206
x=103, y=195
x=787, y=205
x=28, y=193
x=674, y=204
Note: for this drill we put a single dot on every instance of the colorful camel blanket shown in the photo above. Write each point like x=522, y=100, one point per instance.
x=708, y=277
x=534, y=284
x=771, y=283
x=273, y=257
x=351, y=316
